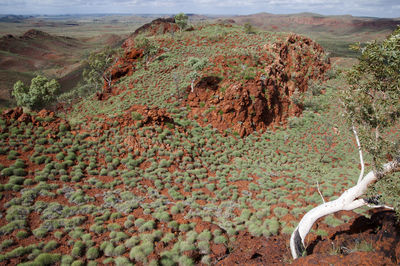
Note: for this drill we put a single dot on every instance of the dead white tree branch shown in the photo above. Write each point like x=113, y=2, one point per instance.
x=349, y=200
x=360, y=153
x=319, y=191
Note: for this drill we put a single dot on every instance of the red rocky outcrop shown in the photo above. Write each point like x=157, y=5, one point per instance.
x=53, y=122
x=266, y=100
x=126, y=64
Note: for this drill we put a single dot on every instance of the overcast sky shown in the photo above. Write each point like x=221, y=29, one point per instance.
x=375, y=8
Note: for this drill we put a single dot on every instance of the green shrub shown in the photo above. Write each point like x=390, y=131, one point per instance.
x=185, y=260
x=184, y=227
x=66, y=260
x=204, y=247
x=168, y=237
x=186, y=246
x=204, y=236
x=92, y=253
x=51, y=245
x=7, y=171
x=41, y=91
x=78, y=249
x=280, y=212
x=173, y=225
x=58, y=234
x=109, y=250
x=272, y=225
x=60, y=156
x=113, y=227
x=6, y=243
x=256, y=229
x=220, y=240
x=16, y=180
x=63, y=127
x=47, y=259
x=137, y=254
x=108, y=261
x=139, y=222
x=78, y=263
x=147, y=226
x=136, y=116
x=22, y=234
x=122, y=261
x=131, y=242
x=40, y=232
x=163, y=217
x=119, y=250
x=19, y=251
x=19, y=164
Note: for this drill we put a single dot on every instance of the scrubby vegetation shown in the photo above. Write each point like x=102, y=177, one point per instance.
x=137, y=177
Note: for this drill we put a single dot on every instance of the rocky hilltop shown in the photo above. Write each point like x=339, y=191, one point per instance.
x=242, y=92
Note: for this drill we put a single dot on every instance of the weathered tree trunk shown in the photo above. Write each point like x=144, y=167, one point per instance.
x=349, y=200
x=192, y=86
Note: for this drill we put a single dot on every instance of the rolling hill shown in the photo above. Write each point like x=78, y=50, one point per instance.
x=35, y=51
x=334, y=33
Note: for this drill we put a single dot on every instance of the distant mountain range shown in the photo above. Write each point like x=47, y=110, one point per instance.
x=309, y=21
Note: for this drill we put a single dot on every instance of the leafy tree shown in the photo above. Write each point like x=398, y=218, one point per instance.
x=150, y=48
x=99, y=67
x=182, y=20
x=196, y=64
x=249, y=29
x=371, y=106
x=40, y=92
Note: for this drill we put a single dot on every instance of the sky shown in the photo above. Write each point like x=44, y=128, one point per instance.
x=372, y=8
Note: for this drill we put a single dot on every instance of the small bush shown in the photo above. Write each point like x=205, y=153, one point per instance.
x=220, y=240
x=122, y=261
x=47, y=259
x=7, y=172
x=92, y=253
x=78, y=249
x=131, y=242
x=119, y=250
x=78, y=263
x=137, y=254
x=136, y=116
x=51, y=245
x=22, y=234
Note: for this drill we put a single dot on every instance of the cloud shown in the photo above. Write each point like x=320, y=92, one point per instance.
x=378, y=8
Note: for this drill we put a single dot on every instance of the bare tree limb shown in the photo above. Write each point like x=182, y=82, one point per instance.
x=319, y=191
x=349, y=200
x=360, y=153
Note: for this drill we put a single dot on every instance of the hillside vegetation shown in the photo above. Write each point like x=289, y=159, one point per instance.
x=37, y=52
x=155, y=172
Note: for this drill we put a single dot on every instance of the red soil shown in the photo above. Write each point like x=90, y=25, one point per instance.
x=381, y=231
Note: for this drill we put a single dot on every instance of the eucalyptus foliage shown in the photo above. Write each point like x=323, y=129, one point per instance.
x=372, y=104
x=372, y=99
x=196, y=64
x=182, y=20
x=99, y=68
x=149, y=47
x=40, y=92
